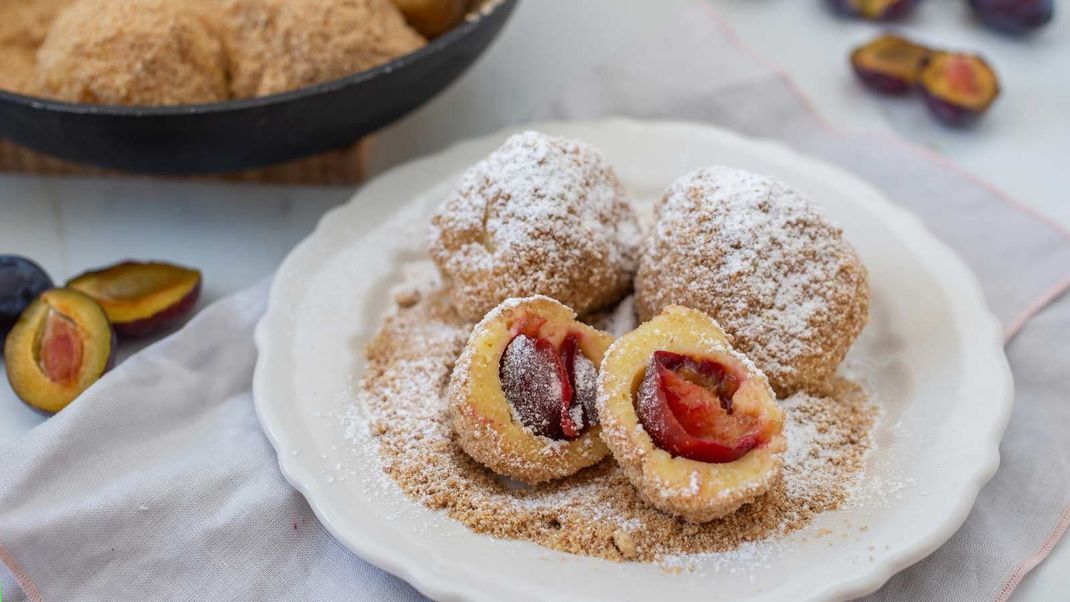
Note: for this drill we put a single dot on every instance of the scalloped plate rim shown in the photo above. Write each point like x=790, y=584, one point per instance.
x=429, y=580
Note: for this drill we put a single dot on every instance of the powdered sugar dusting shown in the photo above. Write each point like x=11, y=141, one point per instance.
x=762, y=260
x=597, y=512
x=532, y=385
x=585, y=385
x=540, y=215
x=817, y=451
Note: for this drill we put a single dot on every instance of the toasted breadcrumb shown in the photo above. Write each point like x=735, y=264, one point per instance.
x=597, y=512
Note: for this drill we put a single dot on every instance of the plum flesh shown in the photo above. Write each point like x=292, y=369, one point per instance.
x=958, y=88
x=21, y=281
x=889, y=64
x=551, y=391
x=535, y=384
x=142, y=299
x=686, y=406
x=60, y=346
x=1014, y=16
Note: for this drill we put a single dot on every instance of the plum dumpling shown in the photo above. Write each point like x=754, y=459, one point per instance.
x=694, y=423
x=522, y=394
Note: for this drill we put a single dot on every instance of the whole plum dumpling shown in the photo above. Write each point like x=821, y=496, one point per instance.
x=133, y=52
x=280, y=45
x=762, y=260
x=541, y=215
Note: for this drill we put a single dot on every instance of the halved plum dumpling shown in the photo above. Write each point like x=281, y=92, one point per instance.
x=522, y=394
x=59, y=346
x=142, y=298
x=694, y=423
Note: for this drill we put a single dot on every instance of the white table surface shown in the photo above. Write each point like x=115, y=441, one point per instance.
x=237, y=234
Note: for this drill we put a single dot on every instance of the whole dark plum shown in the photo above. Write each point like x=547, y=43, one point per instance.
x=21, y=281
x=1014, y=16
x=142, y=298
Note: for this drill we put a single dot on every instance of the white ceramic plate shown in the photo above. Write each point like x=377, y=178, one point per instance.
x=932, y=356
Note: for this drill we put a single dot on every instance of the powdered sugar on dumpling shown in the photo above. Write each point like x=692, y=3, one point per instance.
x=541, y=215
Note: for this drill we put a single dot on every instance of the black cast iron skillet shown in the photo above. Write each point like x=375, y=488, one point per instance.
x=254, y=132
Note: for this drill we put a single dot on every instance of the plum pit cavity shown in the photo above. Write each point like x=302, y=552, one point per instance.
x=957, y=87
x=1014, y=16
x=873, y=10
x=60, y=349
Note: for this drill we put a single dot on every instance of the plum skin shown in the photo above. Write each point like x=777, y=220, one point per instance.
x=21, y=281
x=948, y=113
x=163, y=320
x=1014, y=16
x=859, y=8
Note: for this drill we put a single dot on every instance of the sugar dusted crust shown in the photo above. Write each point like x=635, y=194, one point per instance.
x=761, y=259
x=697, y=491
x=540, y=216
x=486, y=427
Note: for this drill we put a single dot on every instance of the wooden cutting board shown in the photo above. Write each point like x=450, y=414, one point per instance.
x=340, y=167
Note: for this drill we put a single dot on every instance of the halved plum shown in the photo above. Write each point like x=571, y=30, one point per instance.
x=60, y=345
x=686, y=404
x=874, y=10
x=957, y=87
x=551, y=390
x=142, y=299
x=21, y=281
x=889, y=64
x=580, y=412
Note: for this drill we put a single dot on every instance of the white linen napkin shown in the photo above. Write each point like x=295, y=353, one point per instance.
x=157, y=483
